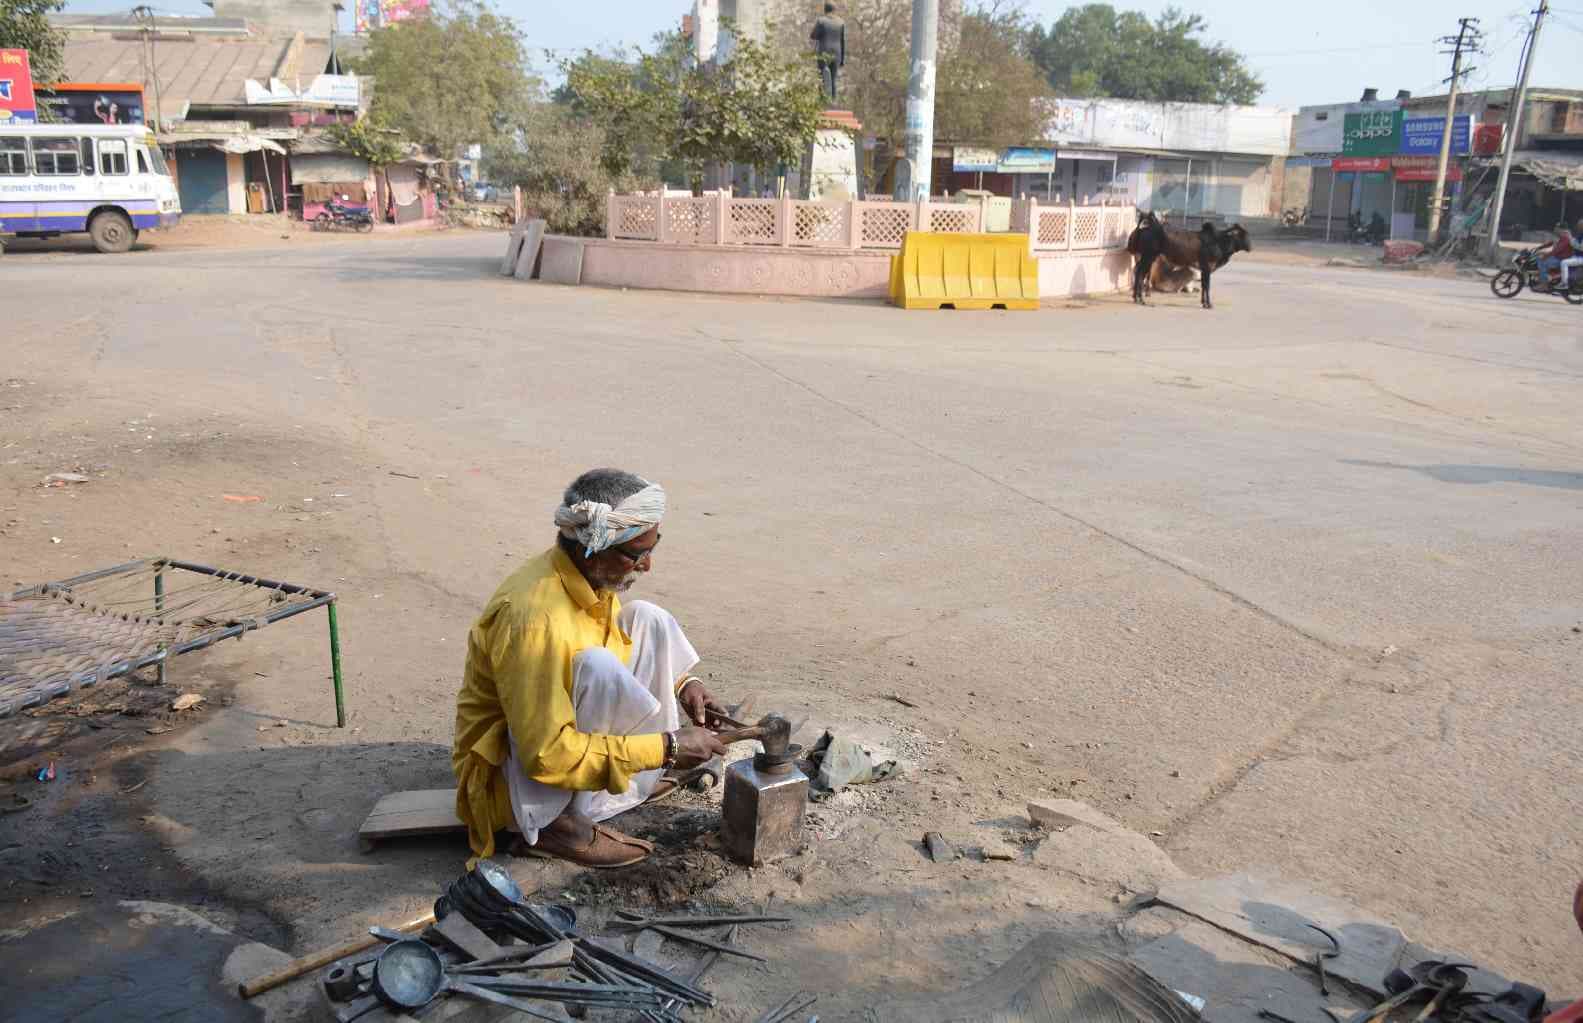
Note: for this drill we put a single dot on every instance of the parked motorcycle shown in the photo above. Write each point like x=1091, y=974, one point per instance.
x=1373, y=233
x=1527, y=274
x=337, y=217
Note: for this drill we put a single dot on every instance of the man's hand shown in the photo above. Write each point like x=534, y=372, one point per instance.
x=696, y=701
x=695, y=745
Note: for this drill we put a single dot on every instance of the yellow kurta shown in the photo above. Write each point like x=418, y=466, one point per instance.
x=517, y=686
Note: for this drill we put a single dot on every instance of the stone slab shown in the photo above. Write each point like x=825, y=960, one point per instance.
x=1098, y=849
x=1277, y=915
x=562, y=261
x=1236, y=979
x=513, y=249
x=528, y=257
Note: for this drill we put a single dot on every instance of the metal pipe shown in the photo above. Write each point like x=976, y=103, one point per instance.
x=251, y=580
x=1330, y=209
x=335, y=667
x=159, y=605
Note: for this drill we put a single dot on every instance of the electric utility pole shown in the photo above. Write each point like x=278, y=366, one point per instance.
x=919, y=133
x=145, y=16
x=1467, y=38
x=1514, y=120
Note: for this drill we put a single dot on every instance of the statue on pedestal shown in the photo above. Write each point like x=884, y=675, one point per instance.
x=829, y=44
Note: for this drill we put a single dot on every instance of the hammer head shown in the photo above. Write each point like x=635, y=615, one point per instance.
x=775, y=733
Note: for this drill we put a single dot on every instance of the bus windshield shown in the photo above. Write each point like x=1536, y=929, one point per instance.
x=157, y=159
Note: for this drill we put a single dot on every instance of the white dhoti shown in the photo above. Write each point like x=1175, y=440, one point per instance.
x=611, y=698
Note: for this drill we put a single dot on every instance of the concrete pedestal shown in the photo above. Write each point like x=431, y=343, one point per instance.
x=830, y=168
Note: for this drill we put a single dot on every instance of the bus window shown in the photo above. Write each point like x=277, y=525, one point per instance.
x=158, y=156
x=142, y=161
x=54, y=156
x=112, y=156
x=87, y=156
x=13, y=155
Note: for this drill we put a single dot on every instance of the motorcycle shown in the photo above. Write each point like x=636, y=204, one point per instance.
x=338, y=217
x=1527, y=274
x=1372, y=233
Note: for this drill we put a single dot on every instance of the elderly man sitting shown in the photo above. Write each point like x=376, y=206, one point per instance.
x=571, y=704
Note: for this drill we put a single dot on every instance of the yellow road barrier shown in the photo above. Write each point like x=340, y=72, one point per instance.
x=964, y=271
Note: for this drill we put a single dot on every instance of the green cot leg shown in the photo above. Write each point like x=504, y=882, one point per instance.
x=159, y=607
x=335, y=668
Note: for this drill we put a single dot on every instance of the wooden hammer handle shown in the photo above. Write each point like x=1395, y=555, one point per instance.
x=739, y=734
x=324, y=957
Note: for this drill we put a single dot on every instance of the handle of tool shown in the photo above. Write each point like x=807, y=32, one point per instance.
x=739, y=734
x=324, y=957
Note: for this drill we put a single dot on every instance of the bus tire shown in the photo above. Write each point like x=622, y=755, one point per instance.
x=112, y=232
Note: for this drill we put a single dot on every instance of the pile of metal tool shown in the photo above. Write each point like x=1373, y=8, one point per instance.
x=490, y=944
x=1443, y=990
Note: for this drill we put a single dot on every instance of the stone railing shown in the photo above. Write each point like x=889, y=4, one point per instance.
x=785, y=223
x=871, y=224
x=1073, y=228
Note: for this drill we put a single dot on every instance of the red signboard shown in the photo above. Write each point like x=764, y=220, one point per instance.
x=1422, y=168
x=1361, y=164
x=16, y=87
x=1487, y=139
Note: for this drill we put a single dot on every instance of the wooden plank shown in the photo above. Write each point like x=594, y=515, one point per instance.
x=460, y=933
x=406, y=814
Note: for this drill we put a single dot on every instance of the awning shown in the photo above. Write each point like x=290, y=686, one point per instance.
x=327, y=168
x=1555, y=169
x=224, y=143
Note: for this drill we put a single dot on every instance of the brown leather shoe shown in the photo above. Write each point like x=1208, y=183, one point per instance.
x=606, y=849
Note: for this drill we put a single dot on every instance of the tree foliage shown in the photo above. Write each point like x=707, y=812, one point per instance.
x=754, y=108
x=557, y=160
x=367, y=138
x=986, y=86
x=1096, y=50
x=24, y=25
x=456, y=77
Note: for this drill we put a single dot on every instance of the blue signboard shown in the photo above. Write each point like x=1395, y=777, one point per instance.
x=1026, y=160
x=1421, y=135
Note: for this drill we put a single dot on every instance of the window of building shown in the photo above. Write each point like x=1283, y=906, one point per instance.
x=112, y=156
x=1322, y=116
x=53, y=157
x=13, y=155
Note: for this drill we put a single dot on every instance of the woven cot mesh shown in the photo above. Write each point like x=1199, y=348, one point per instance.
x=63, y=637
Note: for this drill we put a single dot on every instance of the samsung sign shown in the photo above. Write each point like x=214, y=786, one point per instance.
x=1421, y=135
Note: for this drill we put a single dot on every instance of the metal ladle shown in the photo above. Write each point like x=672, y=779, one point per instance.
x=409, y=975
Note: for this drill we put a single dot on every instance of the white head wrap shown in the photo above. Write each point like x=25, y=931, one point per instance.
x=598, y=526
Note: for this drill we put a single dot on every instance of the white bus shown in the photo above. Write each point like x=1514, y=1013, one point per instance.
x=108, y=180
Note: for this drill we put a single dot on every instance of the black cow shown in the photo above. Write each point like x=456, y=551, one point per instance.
x=1209, y=249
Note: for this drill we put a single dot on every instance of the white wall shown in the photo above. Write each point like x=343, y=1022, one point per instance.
x=235, y=183
x=1198, y=127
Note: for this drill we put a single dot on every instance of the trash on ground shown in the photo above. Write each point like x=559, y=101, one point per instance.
x=186, y=701
x=842, y=762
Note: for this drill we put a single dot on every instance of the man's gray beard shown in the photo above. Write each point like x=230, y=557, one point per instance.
x=626, y=583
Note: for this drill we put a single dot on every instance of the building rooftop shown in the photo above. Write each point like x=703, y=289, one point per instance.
x=195, y=70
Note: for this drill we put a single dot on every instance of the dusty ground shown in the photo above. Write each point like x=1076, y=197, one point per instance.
x=1288, y=586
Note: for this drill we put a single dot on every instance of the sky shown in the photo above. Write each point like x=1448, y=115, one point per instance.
x=1327, y=54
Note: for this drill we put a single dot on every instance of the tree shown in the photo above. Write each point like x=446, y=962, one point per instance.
x=1096, y=50
x=987, y=87
x=457, y=77
x=24, y=24
x=753, y=108
x=367, y=138
x=556, y=159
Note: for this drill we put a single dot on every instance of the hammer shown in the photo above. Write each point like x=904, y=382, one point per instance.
x=772, y=730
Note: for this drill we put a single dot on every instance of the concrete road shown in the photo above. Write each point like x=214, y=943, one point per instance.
x=1293, y=583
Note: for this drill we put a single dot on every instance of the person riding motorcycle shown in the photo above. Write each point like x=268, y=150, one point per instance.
x=1556, y=264
x=1574, y=261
